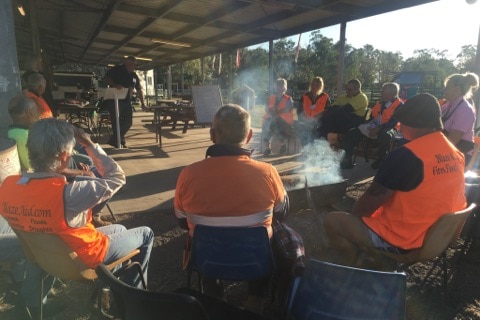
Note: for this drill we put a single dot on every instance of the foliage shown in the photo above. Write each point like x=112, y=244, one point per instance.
x=320, y=58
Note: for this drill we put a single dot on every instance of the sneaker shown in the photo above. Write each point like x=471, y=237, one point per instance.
x=267, y=152
x=98, y=221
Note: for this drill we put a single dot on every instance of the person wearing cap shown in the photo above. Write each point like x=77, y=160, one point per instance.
x=416, y=184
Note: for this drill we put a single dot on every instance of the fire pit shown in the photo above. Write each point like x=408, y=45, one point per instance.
x=328, y=194
x=321, y=195
x=295, y=186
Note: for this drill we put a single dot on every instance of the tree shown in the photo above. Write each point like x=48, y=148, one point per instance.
x=283, y=58
x=388, y=63
x=322, y=59
x=466, y=59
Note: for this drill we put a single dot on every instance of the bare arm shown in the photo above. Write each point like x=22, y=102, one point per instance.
x=371, y=200
x=455, y=136
x=140, y=96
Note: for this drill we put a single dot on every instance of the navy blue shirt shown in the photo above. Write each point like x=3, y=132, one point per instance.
x=401, y=170
x=120, y=76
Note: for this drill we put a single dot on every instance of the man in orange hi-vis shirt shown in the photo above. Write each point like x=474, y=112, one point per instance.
x=229, y=188
x=415, y=185
x=36, y=85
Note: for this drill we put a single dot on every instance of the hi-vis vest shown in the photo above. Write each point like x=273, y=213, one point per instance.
x=43, y=108
x=405, y=218
x=287, y=116
x=388, y=112
x=38, y=206
x=319, y=105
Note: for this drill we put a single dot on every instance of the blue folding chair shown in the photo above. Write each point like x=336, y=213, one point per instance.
x=133, y=303
x=230, y=253
x=330, y=291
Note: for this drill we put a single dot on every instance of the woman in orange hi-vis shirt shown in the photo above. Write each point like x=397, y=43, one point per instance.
x=310, y=109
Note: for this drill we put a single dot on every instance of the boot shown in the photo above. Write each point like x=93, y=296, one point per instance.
x=347, y=163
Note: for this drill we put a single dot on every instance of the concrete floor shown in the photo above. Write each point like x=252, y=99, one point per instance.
x=152, y=171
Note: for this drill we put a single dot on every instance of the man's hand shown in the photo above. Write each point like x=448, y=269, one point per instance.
x=375, y=196
x=82, y=137
x=72, y=173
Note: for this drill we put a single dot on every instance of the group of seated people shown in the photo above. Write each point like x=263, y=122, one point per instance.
x=317, y=115
x=246, y=192
x=50, y=145
x=350, y=116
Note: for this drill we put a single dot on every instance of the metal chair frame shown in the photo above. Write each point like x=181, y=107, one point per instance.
x=230, y=253
x=54, y=257
x=331, y=291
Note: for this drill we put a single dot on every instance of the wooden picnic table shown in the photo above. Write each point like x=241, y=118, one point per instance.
x=81, y=114
x=170, y=114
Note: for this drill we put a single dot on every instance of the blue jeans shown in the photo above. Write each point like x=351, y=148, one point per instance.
x=123, y=241
x=23, y=271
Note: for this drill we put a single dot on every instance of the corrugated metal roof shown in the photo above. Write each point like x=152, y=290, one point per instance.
x=102, y=32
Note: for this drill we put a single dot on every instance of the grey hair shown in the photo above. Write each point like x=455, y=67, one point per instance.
x=47, y=139
x=281, y=82
x=35, y=80
x=231, y=125
x=20, y=104
x=392, y=87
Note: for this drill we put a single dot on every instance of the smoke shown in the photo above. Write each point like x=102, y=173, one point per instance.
x=322, y=164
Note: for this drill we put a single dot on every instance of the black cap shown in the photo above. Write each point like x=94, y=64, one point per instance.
x=420, y=111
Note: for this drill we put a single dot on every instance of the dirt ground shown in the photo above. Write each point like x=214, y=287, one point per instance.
x=165, y=274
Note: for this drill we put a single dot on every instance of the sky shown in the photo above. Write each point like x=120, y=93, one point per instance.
x=443, y=25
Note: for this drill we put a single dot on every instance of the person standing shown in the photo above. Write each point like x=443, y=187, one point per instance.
x=458, y=113
x=123, y=76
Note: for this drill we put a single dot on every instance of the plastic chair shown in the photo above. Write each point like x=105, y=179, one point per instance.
x=330, y=291
x=230, y=253
x=54, y=257
x=444, y=232
x=134, y=303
